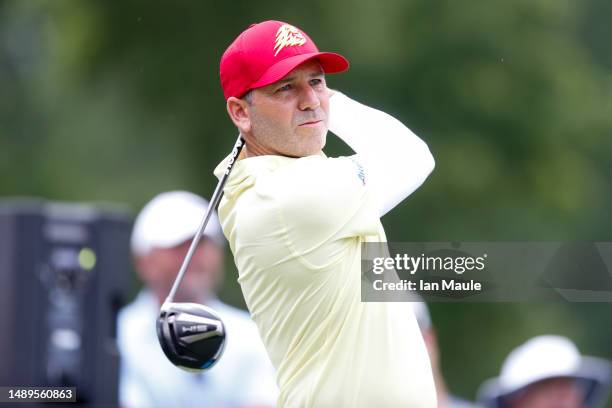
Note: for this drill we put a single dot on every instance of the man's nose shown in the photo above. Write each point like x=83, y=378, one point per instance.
x=309, y=99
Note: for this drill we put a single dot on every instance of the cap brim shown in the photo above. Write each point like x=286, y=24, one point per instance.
x=330, y=62
x=178, y=236
x=594, y=372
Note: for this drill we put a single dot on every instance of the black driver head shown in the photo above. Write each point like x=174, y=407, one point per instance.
x=191, y=335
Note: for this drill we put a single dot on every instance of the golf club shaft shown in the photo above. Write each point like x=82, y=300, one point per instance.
x=214, y=202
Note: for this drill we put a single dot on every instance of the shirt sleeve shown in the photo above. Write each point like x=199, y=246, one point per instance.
x=396, y=161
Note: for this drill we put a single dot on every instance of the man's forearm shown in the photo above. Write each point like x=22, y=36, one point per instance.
x=396, y=161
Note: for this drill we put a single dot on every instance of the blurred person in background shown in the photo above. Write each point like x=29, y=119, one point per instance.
x=445, y=399
x=548, y=372
x=161, y=237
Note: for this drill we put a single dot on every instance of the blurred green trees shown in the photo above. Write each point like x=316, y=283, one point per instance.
x=117, y=101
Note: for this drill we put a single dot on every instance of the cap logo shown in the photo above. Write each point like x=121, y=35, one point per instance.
x=288, y=36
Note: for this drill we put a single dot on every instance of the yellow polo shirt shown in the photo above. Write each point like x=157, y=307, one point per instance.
x=295, y=227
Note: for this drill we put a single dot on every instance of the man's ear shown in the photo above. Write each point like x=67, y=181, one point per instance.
x=238, y=110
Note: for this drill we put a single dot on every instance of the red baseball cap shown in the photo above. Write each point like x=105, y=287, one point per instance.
x=266, y=52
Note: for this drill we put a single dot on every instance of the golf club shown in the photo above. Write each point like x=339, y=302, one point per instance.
x=192, y=335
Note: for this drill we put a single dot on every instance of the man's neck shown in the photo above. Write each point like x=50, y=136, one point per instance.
x=253, y=151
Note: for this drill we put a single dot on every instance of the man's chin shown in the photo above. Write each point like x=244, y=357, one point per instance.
x=316, y=143
x=310, y=144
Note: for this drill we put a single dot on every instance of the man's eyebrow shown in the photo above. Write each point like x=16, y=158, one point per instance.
x=285, y=80
x=292, y=78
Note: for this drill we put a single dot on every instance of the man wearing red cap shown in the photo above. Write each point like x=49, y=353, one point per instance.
x=295, y=220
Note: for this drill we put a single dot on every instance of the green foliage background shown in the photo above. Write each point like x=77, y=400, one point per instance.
x=117, y=101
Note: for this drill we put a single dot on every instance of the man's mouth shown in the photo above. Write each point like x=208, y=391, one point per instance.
x=311, y=123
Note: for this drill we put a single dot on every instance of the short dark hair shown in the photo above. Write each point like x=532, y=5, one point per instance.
x=248, y=97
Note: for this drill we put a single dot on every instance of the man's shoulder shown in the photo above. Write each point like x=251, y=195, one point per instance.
x=314, y=184
x=278, y=176
x=313, y=164
x=136, y=323
x=141, y=307
x=301, y=202
x=308, y=176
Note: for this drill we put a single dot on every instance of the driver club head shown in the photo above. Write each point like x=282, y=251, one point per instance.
x=191, y=335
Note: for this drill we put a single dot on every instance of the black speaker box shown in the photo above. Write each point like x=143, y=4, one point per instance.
x=64, y=271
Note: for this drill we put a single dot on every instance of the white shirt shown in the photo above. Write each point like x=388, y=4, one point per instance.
x=242, y=377
x=295, y=227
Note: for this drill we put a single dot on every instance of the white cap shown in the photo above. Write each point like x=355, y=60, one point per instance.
x=546, y=357
x=537, y=359
x=170, y=219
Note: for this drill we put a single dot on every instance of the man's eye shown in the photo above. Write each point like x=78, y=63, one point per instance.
x=284, y=88
x=316, y=81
